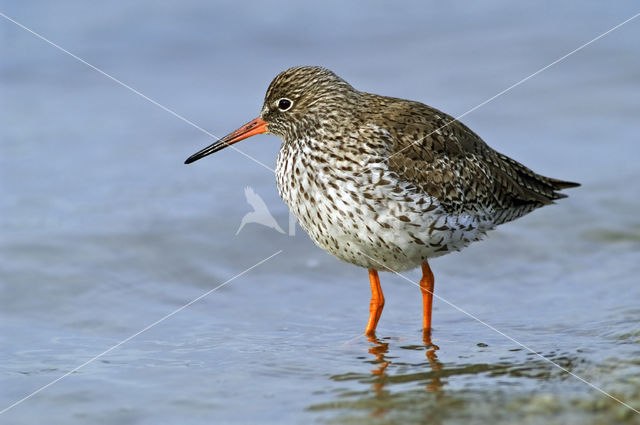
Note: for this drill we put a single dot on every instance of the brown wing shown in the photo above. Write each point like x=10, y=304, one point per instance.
x=444, y=158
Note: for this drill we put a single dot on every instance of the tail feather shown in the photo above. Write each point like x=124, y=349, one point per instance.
x=561, y=184
x=535, y=188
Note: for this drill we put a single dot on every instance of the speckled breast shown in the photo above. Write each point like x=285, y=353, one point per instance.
x=354, y=208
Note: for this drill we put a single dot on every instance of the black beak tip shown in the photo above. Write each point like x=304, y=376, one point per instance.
x=193, y=158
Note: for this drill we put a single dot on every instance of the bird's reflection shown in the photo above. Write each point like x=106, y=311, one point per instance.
x=435, y=384
x=380, y=349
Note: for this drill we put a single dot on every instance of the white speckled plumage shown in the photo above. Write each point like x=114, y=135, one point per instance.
x=366, y=231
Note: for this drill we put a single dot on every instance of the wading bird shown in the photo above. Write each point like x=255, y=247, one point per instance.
x=386, y=183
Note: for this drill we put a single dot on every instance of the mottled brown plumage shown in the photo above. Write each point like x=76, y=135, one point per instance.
x=386, y=183
x=445, y=159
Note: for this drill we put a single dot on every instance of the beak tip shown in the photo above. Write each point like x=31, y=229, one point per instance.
x=256, y=126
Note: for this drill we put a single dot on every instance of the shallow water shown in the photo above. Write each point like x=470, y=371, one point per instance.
x=104, y=231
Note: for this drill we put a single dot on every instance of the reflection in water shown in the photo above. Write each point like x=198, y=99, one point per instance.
x=379, y=348
x=435, y=384
x=399, y=386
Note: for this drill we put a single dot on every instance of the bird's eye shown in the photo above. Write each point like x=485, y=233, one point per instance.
x=284, y=104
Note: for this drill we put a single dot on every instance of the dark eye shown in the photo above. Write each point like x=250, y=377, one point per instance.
x=284, y=104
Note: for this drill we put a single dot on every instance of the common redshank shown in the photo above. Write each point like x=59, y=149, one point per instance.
x=386, y=183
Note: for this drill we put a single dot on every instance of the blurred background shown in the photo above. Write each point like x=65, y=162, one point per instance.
x=103, y=230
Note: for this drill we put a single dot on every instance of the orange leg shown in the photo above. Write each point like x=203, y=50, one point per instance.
x=426, y=286
x=377, y=302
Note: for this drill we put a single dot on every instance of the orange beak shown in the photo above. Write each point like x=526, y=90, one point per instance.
x=251, y=128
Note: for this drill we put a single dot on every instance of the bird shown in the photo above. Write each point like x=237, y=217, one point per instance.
x=260, y=213
x=386, y=183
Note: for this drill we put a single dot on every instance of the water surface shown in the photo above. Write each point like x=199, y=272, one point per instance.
x=104, y=230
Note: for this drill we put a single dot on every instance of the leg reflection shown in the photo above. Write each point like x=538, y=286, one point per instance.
x=379, y=349
x=435, y=384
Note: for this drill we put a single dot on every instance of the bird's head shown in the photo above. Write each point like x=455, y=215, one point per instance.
x=298, y=101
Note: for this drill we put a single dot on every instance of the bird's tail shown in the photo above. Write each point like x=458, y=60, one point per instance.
x=561, y=184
